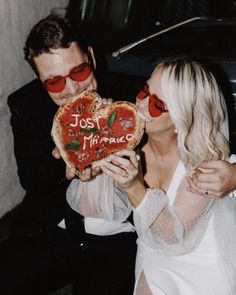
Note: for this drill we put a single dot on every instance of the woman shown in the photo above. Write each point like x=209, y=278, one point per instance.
x=185, y=240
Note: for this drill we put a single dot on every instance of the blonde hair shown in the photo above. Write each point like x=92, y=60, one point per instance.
x=197, y=109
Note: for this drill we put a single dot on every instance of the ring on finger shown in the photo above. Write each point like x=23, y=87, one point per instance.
x=126, y=174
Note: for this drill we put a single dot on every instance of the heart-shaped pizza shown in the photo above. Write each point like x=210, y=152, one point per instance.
x=85, y=130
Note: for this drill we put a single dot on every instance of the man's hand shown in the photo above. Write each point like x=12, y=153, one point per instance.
x=213, y=179
x=56, y=153
x=89, y=173
x=86, y=175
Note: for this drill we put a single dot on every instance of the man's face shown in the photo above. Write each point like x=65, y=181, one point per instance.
x=60, y=62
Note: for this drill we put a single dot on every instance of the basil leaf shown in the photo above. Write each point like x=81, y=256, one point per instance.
x=73, y=145
x=90, y=130
x=111, y=119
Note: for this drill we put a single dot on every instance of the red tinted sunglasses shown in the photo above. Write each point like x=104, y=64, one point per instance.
x=155, y=104
x=58, y=83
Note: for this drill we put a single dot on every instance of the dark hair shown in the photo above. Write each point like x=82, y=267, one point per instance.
x=52, y=32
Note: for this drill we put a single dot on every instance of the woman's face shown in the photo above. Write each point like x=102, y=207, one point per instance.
x=157, y=120
x=59, y=63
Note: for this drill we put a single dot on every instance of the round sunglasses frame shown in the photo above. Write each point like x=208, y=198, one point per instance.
x=79, y=73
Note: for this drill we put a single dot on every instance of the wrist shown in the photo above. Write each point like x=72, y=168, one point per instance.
x=136, y=192
x=234, y=175
x=233, y=191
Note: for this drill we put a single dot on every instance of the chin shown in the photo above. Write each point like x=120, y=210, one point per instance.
x=150, y=129
x=58, y=101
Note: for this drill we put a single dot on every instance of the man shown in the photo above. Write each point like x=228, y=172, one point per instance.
x=48, y=246
x=40, y=255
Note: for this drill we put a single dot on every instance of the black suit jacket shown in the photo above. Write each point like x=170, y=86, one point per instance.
x=42, y=176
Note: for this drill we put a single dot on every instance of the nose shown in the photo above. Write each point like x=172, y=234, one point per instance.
x=71, y=87
x=142, y=104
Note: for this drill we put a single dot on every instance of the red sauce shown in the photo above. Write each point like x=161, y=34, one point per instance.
x=96, y=138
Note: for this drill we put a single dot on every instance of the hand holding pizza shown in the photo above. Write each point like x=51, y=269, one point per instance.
x=122, y=166
x=86, y=175
x=88, y=129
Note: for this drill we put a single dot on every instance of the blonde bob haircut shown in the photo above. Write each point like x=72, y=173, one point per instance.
x=197, y=109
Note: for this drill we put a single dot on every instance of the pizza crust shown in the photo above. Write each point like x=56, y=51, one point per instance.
x=99, y=110
x=56, y=130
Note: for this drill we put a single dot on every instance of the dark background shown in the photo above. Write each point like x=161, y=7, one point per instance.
x=112, y=24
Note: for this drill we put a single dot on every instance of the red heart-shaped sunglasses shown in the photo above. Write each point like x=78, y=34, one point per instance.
x=155, y=105
x=58, y=83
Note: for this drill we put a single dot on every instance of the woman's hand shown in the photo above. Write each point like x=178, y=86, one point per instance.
x=122, y=166
x=213, y=179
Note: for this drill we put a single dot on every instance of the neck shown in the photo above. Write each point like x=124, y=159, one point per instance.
x=161, y=158
x=162, y=145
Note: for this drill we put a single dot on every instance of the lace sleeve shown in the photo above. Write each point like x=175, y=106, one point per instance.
x=172, y=229
x=98, y=198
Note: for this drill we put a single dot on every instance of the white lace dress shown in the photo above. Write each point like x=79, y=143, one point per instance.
x=186, y=243
x=162, y=261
